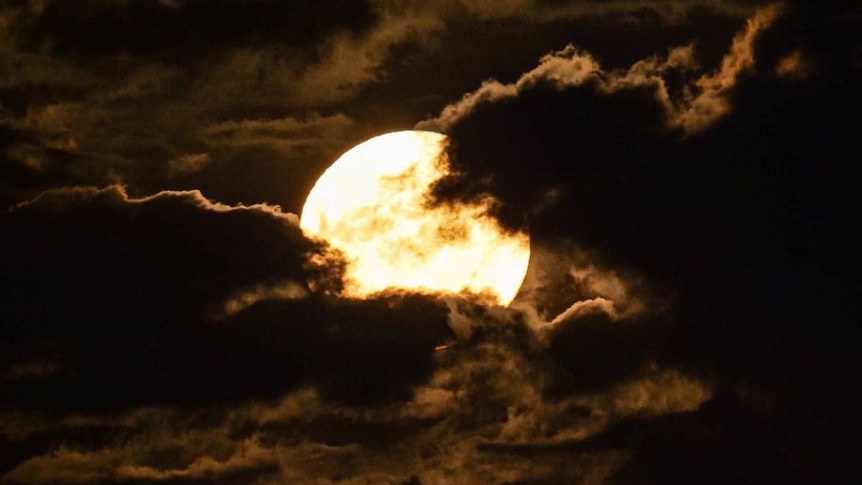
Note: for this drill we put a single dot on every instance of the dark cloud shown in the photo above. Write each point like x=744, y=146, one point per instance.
x=594, y=351
x=97, y=280
x=183, y=30
x=98, y=85
x=746, y=221
x=122, y=302
x=720, y=442
x=686, y=169
x=112, y=303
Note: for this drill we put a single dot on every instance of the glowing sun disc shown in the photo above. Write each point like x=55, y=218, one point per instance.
x=373, y=204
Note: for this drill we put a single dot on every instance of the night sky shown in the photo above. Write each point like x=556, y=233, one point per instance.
x=691, y=313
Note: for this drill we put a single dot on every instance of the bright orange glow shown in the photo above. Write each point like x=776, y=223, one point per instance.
x=373, y=205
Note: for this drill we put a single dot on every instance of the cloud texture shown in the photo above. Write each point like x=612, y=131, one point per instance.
x=686, y=172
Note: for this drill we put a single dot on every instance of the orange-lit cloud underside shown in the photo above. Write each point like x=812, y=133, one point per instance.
x=373, y=204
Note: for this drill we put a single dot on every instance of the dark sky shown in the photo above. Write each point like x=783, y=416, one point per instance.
x=692, y=309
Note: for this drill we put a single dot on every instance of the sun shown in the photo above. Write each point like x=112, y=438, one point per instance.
x=374, y=205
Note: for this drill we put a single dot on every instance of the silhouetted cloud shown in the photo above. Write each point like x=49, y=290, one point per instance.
x=167, y=299
x=686, y=172
x=701, y=103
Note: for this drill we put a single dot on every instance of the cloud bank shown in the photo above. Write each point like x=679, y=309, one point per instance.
x=686, y=170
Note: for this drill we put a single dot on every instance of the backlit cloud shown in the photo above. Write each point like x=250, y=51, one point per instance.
x=703, y=101
x=685, y=170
